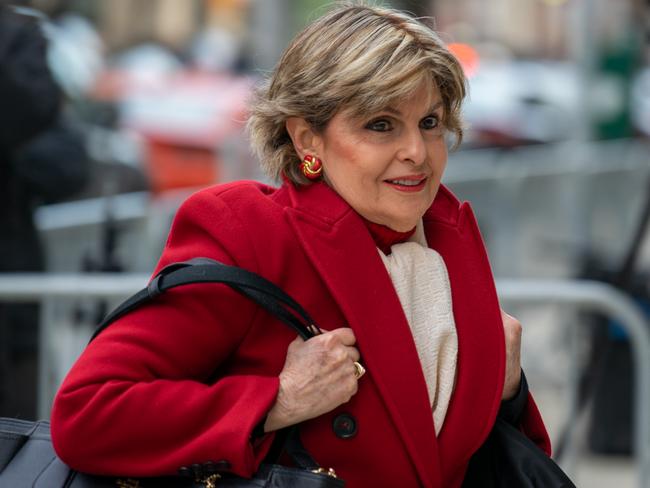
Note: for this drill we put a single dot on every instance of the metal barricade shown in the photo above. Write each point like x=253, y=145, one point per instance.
x=48, y=289
x=593, y=296
x=603, y=298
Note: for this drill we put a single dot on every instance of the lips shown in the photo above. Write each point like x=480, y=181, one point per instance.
x=408, y=183
x=403, y=182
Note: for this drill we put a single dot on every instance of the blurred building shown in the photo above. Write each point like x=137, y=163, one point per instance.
x=540, y=28
x=530, y=28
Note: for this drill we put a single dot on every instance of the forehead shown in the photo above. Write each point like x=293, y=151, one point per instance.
x=425, y=97
x=421, y=96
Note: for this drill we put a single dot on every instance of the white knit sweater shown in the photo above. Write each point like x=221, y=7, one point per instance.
x=420, y=278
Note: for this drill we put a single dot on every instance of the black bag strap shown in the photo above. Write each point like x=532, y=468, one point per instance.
x=204, y=270
x=260, y=290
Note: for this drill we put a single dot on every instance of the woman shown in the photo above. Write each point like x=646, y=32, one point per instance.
x=363, y=235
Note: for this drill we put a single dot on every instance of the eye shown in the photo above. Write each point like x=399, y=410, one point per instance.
x=430, y=122
x=379, y=125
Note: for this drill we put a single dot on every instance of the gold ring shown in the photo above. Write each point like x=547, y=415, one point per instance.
x=359, y=370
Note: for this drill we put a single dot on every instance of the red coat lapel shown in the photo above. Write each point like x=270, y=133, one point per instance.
x=481, y=345
x=341, y=249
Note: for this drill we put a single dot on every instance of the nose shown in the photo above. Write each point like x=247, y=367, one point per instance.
x=412, y=148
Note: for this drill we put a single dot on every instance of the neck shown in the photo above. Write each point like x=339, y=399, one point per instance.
x=385, y=237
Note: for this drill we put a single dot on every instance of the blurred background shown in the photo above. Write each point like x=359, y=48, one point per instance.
x=556, y=163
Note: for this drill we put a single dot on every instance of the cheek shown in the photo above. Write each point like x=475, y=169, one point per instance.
x=340, y=147
x=438, y=158
x=355, y=161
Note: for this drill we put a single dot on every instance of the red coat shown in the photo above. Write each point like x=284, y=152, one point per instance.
x=143, y=400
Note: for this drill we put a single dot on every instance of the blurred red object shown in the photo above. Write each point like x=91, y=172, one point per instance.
x=171, y=165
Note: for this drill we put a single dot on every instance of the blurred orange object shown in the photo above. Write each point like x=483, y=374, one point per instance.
x=467, y=55
x=173, y=165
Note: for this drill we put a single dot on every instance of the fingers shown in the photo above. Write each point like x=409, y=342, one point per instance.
x=344, y=334
x=511, y=326
x=343, y=338
x=512, y=332
x=339, y=343
x=318, y=375
x=353, y=353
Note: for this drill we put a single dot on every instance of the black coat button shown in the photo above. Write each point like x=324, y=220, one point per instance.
x=206, y=469
x=344, y=426
x=217, y=466
x=197, y=471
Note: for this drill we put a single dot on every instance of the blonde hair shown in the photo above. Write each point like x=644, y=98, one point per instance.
x=358, y=58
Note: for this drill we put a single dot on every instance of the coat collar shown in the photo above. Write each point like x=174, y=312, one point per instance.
x=339, y=245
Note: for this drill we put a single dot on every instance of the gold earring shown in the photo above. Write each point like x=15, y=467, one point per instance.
x=312, y=167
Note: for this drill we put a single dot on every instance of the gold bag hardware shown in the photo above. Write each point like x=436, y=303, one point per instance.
x=209, y=482
x=328, y=472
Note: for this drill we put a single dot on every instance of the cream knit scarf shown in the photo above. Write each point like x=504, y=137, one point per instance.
x=420, y=278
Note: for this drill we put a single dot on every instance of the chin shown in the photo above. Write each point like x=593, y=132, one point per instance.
x=403, y=225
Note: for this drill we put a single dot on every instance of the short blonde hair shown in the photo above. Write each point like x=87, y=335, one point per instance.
x=356, y=57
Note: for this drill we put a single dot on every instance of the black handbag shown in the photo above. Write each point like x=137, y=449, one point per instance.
x=27, y=458
x=509, y=459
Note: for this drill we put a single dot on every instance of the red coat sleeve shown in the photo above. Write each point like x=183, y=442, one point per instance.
x=139, y=401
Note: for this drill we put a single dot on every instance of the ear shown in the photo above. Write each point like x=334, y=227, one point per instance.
x=305, y=139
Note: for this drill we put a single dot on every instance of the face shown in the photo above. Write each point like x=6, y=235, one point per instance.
x=388, y=165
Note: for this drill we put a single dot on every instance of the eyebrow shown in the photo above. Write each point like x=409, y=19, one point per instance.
x=394, y=111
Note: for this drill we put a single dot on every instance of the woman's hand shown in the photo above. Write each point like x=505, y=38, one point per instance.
x=318, y=376
x=512, y=331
